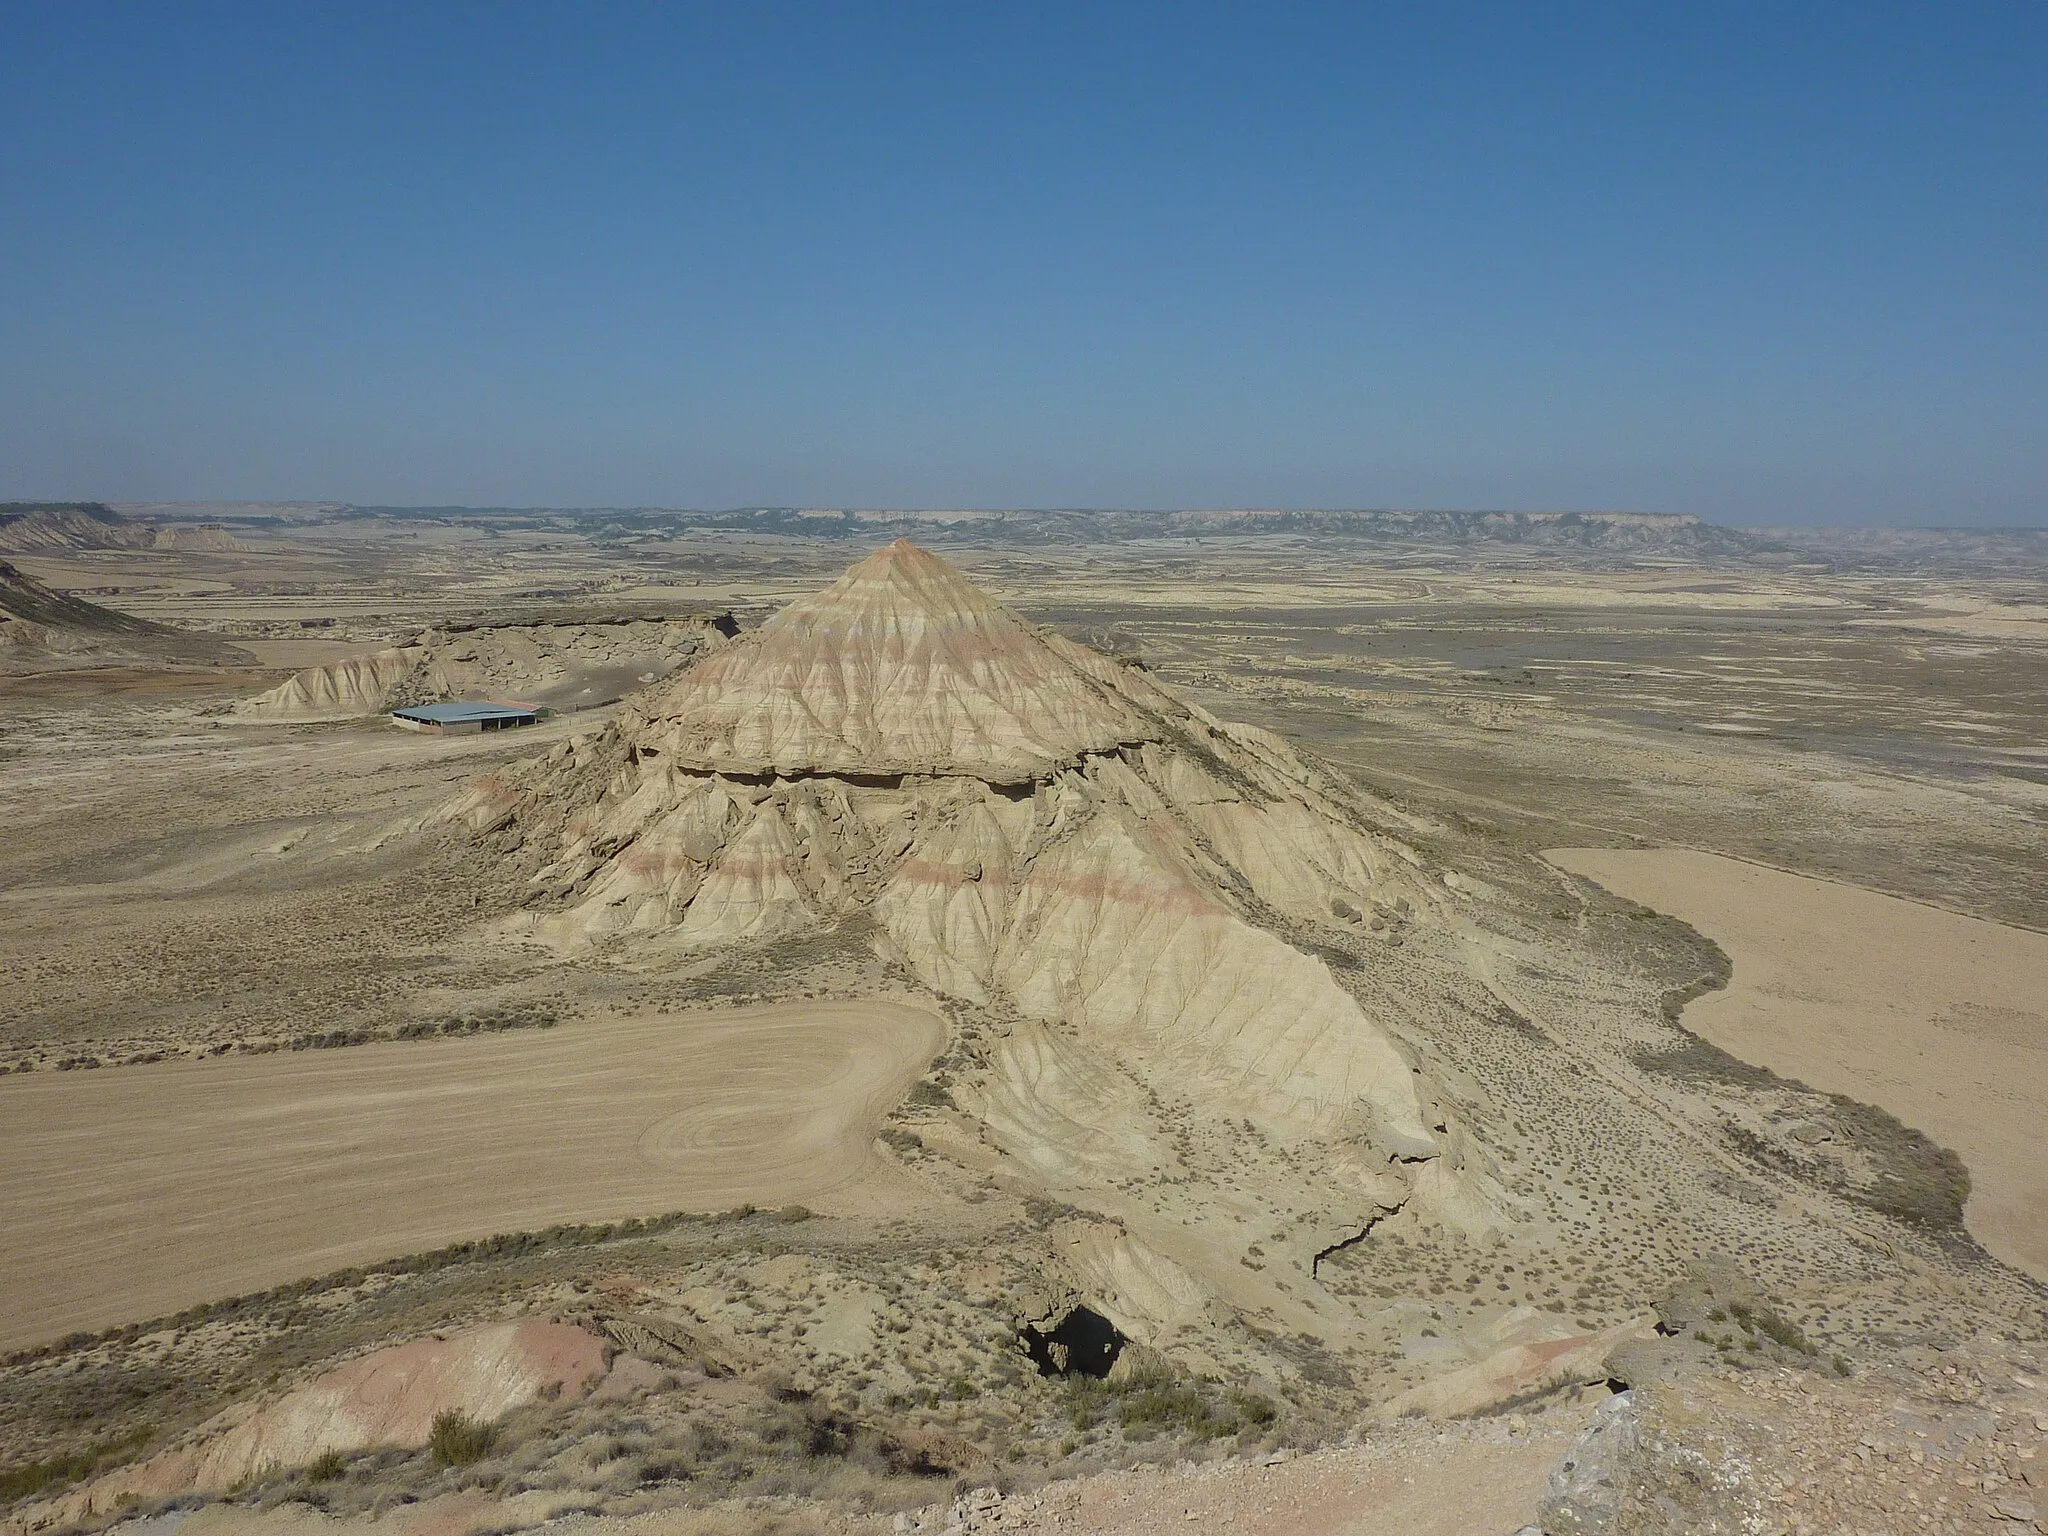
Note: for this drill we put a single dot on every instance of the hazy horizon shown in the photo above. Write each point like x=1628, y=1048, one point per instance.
x=199, y=505
x=1770, y=269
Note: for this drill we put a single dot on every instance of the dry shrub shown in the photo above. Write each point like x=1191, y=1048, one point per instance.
x=457, y=1440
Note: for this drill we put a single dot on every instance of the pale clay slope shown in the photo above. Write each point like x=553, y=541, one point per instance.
x=1118, y=883
x=388, y=1397
x=566, y=665
x=1941, y=1019
x=336, y=690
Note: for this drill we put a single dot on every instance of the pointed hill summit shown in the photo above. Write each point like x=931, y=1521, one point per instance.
x=900, y=666
x=1172, y=949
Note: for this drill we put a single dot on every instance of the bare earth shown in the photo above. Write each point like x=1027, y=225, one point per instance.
x=1480, y=1478
x=1941, y=1019
x=192, y=889
x=134, y=1193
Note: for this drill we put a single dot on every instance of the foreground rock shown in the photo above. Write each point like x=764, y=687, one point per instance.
x=1955, y=1445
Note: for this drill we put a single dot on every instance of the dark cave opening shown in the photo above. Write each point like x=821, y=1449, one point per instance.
x=1082, y=1343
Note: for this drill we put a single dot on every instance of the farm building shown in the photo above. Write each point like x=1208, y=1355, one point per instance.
x=460, y=718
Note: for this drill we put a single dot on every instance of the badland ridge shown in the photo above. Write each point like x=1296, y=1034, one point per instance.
x=1121, y=892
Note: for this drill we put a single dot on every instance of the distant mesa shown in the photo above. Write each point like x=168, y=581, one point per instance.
x=32, y=527
x=1595, y=535
x=197, y=536
x=39, y=527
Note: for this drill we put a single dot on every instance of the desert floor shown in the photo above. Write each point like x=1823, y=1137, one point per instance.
x=1940, y=1018
x=138, y=1192
x=1859, y=755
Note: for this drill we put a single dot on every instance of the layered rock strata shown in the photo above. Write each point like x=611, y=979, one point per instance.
x=1115, y=883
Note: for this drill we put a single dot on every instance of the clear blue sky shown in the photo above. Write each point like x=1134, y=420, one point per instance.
x=1762, y=262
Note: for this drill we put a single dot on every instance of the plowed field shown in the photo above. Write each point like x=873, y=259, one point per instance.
x=136, y=1191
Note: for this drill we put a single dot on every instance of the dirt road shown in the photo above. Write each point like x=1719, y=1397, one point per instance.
x=132, y=1192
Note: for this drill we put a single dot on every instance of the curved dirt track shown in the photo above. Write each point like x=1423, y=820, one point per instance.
x=1939, y=1018
x=134, y=1192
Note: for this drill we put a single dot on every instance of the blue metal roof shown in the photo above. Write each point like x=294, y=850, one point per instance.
x=462, y=712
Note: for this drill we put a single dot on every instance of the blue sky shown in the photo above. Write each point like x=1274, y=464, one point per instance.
x=1764, y=263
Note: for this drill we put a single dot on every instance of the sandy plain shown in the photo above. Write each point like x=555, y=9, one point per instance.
x=136, y=1192
x=1938, y=1017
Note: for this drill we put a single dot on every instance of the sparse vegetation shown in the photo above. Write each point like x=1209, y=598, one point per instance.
x=1605, y=1203
x=1156, y=1401
x=926, y=1094
x=457, y=1440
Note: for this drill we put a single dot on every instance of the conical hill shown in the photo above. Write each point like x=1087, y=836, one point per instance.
x=900, y=666
x=1142, y=919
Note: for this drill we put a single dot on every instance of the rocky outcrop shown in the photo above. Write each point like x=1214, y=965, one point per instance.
x=390, y=1397
x=1950, y=1444
x=1138, y=900
x=561, y=665
x=197, y=537
x=339, y=690
x=1523, y=1370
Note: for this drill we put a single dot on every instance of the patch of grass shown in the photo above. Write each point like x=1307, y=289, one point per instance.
x=1771, y=1325
x=332, y=1039
x=326, y=1467
x=34, y=1477
x=1547, y=1388
x=1156, y=1403
x=39, y=1476
x=1044, y=1213
x=1696, y=1061
x=1255, y=1410
x=458, y=1440
x=479, y=1021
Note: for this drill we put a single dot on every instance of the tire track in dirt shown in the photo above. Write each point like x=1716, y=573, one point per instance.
x=132, y=1193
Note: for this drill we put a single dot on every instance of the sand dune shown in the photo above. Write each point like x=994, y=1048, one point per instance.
x=133, y=1193
x=1939, y=1018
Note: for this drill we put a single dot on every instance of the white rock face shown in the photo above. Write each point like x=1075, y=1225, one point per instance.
x=1114, y=936
x=338, y=690
x=948, y=906
x=753, y=891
